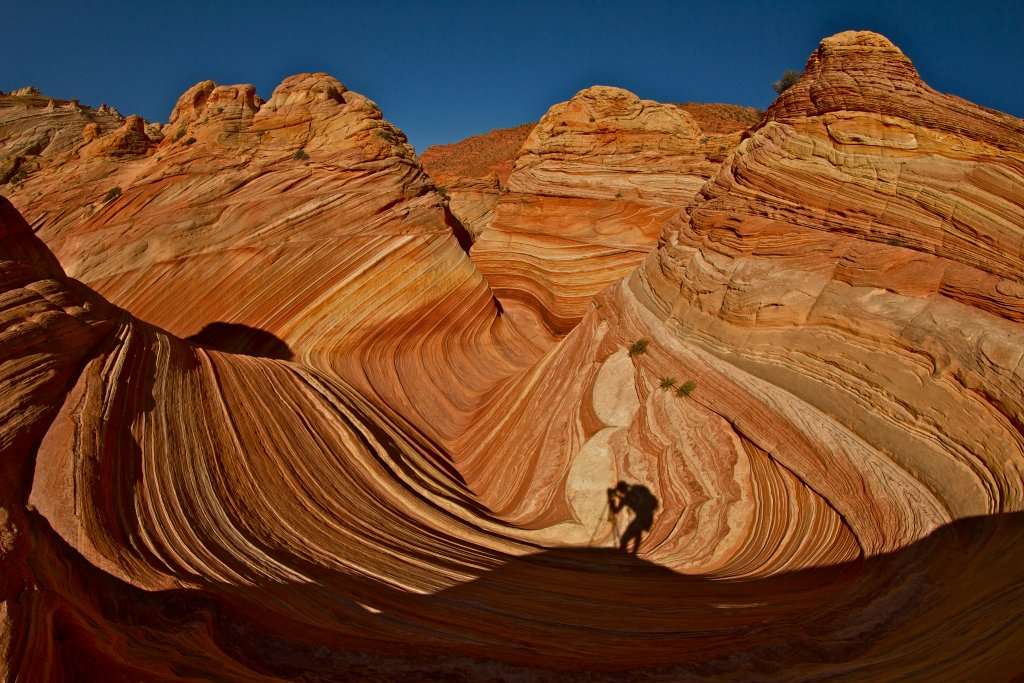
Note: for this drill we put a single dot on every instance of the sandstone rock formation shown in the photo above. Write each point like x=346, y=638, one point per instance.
x=817, y=366
x=722, y=118
x=37, y=131
x=285, y=216
x=474, y=171
x=593, y=184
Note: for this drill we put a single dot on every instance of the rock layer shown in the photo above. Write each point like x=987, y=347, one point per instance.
x=592, y=185
x=364, y=466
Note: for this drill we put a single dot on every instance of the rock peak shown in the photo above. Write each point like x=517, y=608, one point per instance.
x=858, y=39
x=308, y=87
x=863, y=71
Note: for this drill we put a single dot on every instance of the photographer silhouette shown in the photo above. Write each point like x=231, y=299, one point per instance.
x=642, y=502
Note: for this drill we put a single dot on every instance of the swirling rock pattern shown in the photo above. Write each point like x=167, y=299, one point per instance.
x=592, y=186
x=409, y=482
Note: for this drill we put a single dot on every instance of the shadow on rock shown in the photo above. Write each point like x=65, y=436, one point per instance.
x=943, y=608
x=241, y=339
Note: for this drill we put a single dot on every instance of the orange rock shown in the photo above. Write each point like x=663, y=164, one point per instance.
x=361, y=465
x=593, y=184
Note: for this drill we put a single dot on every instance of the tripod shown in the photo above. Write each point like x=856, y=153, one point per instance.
x=612, y=517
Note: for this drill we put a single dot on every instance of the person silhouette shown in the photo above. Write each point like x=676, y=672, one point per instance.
x=642, y=502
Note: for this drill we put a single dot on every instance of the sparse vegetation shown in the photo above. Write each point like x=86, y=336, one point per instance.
x=300, y=155
x=389, y=136
x=788, y=80
x=179, y=134
x=442, y=190
x=190, y=141
x=667, y=383
x=112, y=194
x=686, y=388
x=704, y=140
x=639, y=347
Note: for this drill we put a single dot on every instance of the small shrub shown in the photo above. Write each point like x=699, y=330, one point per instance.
x=667, y=383
x=638, y=347
x=788, y=80
x=686, y=388
x=180, y=134
x=300, y=154
x=704, y=140
x=389, y=136
x=112, y=194
x=190, y=141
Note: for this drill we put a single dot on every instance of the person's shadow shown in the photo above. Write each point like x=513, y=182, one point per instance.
x=642, y=502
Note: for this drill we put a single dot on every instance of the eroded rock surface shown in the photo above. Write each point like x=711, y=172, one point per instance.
x=816, y=365
x=592, y=186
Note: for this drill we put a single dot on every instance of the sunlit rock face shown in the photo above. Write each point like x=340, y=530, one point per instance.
x=592, y=186
x=305, y=216
x=361, y=465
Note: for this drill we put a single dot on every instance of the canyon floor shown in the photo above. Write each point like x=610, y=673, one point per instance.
x=282, y=401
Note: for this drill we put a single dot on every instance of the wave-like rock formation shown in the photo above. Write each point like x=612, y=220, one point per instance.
x=592, y=186
x=361, y=466
x=474, y=172
x=305, y=216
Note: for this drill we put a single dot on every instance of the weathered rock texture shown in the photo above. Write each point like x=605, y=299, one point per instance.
x=592, y=186
x=474, y=171
x=722, y=118
x=287, y=216
x=37, y=131
x=389, y=478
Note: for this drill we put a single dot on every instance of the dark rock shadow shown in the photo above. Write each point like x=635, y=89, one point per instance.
x=944, y=608
x=241, y=339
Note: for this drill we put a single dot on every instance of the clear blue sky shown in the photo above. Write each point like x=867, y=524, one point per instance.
x=443, y=71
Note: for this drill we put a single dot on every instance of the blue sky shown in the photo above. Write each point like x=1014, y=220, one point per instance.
x=442, y=71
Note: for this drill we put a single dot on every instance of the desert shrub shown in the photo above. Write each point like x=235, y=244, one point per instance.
x=788, y=80
x=686, y=388
x=443, y=191
x=112, y=194
x=388, y=135
x=667, y=383
x=180, y=134
x=704, y=140
x=300, y=154
x=190, y=141
x=638, y=347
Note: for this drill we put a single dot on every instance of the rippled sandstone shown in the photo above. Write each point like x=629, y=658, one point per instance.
x=411, y=486
x=592, y=186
